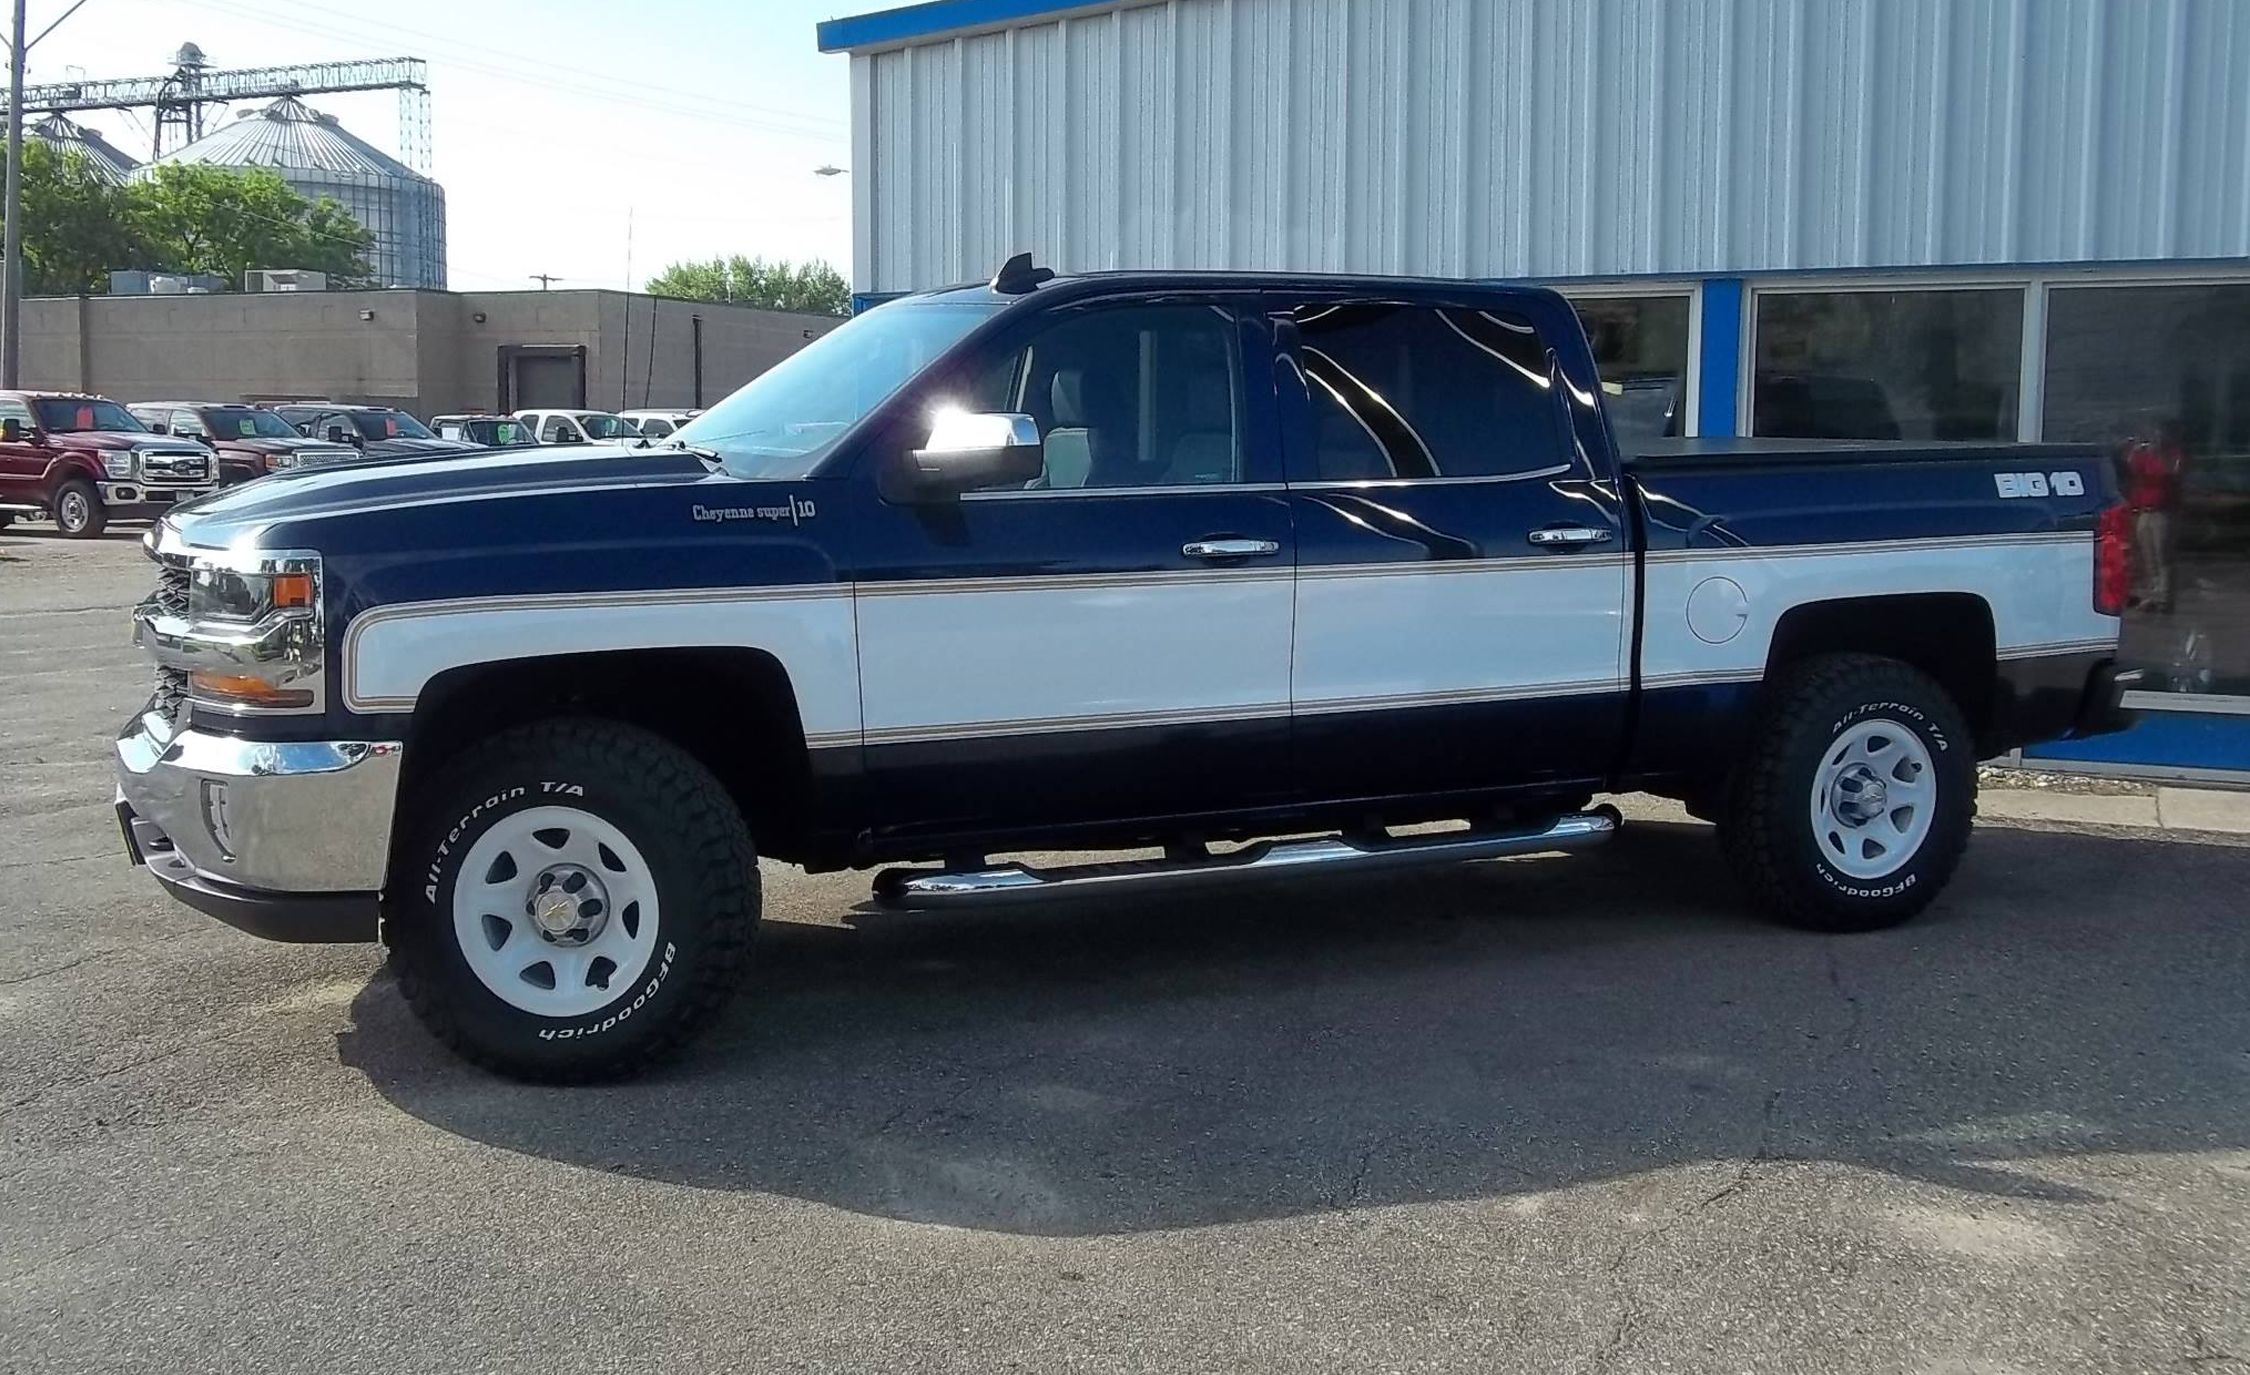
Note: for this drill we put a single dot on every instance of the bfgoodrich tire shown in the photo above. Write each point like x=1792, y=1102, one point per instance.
x=1854, y=804
x=78, y=510
x=577, y=902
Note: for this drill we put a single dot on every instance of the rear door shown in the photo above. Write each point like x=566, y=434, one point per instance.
x=1111, y=641
x=1463, y=568
x=22, y=463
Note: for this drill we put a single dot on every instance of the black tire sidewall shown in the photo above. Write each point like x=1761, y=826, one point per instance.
x=490, y=1027
x=1899, y=698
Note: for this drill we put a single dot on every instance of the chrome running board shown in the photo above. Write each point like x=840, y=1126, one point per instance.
x=927, y=890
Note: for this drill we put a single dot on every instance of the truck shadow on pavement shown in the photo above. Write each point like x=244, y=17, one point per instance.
x=1465, y=1033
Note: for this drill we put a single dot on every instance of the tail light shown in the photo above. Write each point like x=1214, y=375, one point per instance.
x=2113, y=560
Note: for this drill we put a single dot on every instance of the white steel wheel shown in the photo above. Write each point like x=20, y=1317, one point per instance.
x=555, y=911
x=1874, y=797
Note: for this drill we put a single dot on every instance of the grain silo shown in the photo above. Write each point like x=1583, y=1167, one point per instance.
x=319, y=157
x=66, y=137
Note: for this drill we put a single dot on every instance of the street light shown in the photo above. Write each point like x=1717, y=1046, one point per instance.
x=829, y=169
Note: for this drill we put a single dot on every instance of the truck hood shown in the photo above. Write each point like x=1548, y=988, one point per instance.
x=268, y=444
x=233, y=515
x=120, y=439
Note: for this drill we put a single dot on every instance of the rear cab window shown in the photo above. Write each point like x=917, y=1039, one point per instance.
x=1402, y=391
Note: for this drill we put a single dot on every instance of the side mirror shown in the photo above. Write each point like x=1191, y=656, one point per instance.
x=11, y=431
x=966, y=451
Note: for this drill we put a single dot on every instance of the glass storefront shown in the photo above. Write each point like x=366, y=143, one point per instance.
x=1641, y=347
x=2163, y=372
x=1920, y=364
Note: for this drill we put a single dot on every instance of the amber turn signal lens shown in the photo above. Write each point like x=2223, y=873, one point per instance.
x=292, y=591
x=245, y=689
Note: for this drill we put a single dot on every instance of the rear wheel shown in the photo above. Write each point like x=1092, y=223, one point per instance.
x=78, y=509
x=1854, y=805
x=579, y=905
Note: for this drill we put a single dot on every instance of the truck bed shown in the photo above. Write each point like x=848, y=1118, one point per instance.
x=1682, y=453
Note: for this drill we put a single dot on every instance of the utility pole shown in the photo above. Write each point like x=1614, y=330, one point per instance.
x=540, y=277
x=11, y=240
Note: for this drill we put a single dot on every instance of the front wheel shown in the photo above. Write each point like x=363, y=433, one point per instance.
x=1854, y=804
x=578, y=903
x=78, y=510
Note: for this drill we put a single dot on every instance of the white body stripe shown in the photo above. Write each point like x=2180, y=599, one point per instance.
x=392, y=653
x=961, y=659
x=1402, y=635
x=1117, y=651
x=2040, y=588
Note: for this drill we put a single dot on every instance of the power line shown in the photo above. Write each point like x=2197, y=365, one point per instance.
x=817, y=128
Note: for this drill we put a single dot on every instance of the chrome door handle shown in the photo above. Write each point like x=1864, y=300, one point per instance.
x=1572, y=534
x=1230, y=548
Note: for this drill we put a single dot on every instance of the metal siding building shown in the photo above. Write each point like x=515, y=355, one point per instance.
x=1554, y=138
x=1931, y=219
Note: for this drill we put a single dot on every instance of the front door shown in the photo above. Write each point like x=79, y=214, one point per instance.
x=1463, y=568
x=1111, y=641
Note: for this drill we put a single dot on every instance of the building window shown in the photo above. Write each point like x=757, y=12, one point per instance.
x=1641, y=348
x=2163, y=372
x=1925, y=364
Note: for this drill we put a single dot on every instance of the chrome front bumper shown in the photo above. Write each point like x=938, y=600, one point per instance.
x=285, y=839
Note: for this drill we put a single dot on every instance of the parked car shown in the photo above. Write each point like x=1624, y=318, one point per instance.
x=83, y=461
x=658, y=424
x=580, y=427
x=249, y=441
x=376, y=431
x=1122, y=560
x=485, y=431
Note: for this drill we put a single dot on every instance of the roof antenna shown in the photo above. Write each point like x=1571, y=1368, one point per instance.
x=1017, y=276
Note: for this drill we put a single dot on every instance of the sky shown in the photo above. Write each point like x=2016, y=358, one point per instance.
x=590, y=139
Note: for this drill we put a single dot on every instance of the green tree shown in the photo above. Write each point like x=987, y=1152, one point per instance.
x=780, y=285
x=226, y=221
x=75, y=224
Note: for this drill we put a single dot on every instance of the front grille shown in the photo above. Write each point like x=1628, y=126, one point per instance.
x=172, y=589
x=170, y=697
x=163, y=469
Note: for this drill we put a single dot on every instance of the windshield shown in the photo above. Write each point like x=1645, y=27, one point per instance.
x=608, y=427
x=73, y=415
x=789, y=415
x=377, y=425
x=247, y=422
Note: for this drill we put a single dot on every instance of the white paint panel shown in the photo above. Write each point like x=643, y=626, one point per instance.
x=1547, y=138
x=2041, y=594
x=1501, y=628
x=1192, y=644
x=390, y=655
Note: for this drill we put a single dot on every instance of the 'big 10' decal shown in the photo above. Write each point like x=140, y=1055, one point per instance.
x=2062, y=484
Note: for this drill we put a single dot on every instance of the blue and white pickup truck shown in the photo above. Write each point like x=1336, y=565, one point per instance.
x=1177, y=563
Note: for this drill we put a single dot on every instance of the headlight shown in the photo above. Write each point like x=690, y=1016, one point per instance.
x=234, y=594
x=251, y=637
x=118, y=463
x=287, y=458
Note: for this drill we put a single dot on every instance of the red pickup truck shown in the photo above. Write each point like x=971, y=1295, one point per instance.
x=84, y=461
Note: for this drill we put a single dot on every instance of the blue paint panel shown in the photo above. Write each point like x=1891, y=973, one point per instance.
x=2163, y=739
x=910, y=22
x=1721, y=356
x=1763, y=498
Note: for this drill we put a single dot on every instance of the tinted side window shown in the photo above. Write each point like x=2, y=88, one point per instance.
x=1137, y=396
x=1418, y=392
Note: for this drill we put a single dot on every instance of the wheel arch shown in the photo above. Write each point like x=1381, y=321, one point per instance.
x=1951, y=636
x=733, y=708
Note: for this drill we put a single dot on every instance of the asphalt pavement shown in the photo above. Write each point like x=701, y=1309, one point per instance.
x=1550, y=1115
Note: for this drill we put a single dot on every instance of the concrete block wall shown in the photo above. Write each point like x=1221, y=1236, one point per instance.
x=426, y=351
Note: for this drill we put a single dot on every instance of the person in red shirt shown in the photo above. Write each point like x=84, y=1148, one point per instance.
x=2153, y=472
